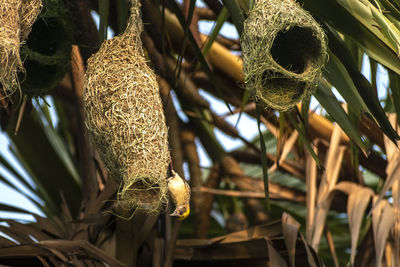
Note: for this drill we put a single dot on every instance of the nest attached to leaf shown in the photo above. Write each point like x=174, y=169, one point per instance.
x=284, y=51
x=125, y=118
x=47, y=52
x=16, y=19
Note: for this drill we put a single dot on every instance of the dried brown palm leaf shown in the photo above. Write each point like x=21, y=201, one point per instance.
x=62, y=239
x=275, y=259
x=61, y=249
x=202, y=223
x=311, y=254
x=276, y=191
x=396, y=230
x=235, y=171
x=318, y=224
x=329, y=178
x=331, y=246
x=358, y=199
x=311, y=184
x=357, y=203
x=188, y=141
x=389, y=254
x=332, y=164
x=262, y=245
x=393, y=166
x=287, y=148
x=383, y=218
x=290, y=230
x=392, y=182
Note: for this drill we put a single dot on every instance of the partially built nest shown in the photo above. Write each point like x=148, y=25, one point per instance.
x=16, y=19
x=125, y=118
x=284, y=51
x=47, y=52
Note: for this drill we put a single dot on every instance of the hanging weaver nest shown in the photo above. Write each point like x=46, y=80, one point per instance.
x=16, y=19
x=284, y=51
x=47, y=52
x=125, y=118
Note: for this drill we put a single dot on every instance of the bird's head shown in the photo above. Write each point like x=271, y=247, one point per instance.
x=181, y=212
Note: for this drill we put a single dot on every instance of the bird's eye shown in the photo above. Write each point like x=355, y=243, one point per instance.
x=182, y=211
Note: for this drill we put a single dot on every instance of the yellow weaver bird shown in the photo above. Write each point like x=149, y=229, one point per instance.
x=179, y=191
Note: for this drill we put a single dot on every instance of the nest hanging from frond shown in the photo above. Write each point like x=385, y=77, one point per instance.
x=125, y=118
x=16, y=19
x=284, y=51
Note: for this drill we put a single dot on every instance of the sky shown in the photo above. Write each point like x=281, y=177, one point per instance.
x=247, y=127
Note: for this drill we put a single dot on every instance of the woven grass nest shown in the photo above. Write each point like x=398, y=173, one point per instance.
x=16, y=19
x=284, y=51
x=125, y=118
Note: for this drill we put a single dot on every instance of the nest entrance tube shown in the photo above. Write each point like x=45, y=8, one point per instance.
x=284, y=51
x=272, y=90
x=142, y=193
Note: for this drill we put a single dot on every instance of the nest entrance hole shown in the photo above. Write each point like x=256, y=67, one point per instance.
x=296, y=49
x=145, y=191
x=46, y=36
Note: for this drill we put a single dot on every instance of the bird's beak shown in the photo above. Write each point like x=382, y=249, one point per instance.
x=174, y=214
x=177, y=214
